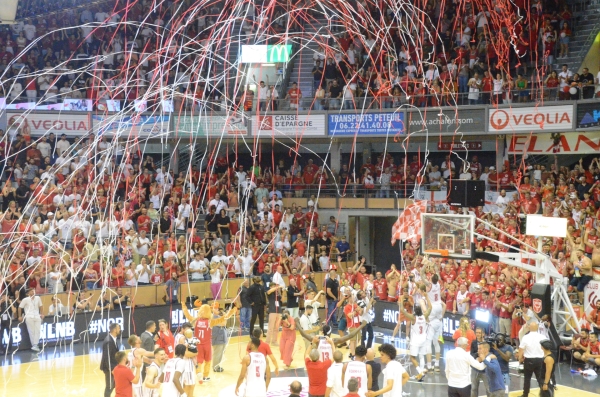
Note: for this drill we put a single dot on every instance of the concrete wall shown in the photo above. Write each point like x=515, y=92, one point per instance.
x=592, y=58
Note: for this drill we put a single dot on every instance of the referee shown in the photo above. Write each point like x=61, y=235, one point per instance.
x=532, y=355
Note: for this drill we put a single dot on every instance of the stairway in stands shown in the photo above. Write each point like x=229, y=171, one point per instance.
x=303, y=60
x=586, y=25
x=226, y=59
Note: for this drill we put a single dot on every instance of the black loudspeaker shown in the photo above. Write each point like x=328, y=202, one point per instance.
x=466, y=193
x=458, y=193
x=541, y=299
x=475, y=193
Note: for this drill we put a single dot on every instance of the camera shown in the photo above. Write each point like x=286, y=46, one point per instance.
x=491, y=338
x=285, y=317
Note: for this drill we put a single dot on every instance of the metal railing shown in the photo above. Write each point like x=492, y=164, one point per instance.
x=529, y=95
x=360, y=190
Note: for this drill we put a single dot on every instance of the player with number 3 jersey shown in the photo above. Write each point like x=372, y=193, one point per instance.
x=418, y=334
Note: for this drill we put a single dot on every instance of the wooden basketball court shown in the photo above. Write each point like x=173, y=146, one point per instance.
x=58, y=372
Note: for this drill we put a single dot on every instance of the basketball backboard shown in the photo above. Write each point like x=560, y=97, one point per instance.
x=448, y=235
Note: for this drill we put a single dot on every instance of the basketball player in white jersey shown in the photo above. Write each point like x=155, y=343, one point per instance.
x=418, y=333
x=172, y=385
x=180, y=337
x=359, y=370
x=154, y=376
x=438, y=309
x=186, y=338
x=189, y=375
x=256, y=372
x=324, y=348
x=137, y=352
x=335, y=387
x=434, y=289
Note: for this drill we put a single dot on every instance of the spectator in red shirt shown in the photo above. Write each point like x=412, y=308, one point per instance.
x=294, y=95
x=277, y=215
x=316, y=369
x=380, y=287
x=124, y=377
x=505, y=305
x=144, y=222
x=166, y=340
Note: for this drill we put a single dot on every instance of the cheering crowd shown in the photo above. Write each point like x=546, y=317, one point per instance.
x=479, y=56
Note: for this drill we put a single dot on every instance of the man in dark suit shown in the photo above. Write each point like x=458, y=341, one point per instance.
x=256, y=296
x=108, y=362
x=148, y=342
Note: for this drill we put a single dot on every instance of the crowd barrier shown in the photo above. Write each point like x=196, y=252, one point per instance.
x=385, y=315
x=542, y=116
x=146, y=304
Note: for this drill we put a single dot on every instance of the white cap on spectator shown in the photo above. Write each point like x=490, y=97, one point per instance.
x=50, y=213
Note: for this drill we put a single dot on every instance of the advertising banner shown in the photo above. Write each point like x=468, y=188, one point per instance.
x=386, y=316
x=591, y=295
x=447, y=121
x=40, y=123
x=567, y=143
x=459, y=146
x=588, y=115
x=540, y=118
x=291, y=125
x=137, y=125
x=93, y=326
x=276, y=53
x=226, y=125
x=350, y=124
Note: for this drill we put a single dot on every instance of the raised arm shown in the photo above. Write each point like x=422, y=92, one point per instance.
x=188, y=315
x=344, y=339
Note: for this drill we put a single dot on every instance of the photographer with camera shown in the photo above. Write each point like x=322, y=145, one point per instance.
x=504, y=353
